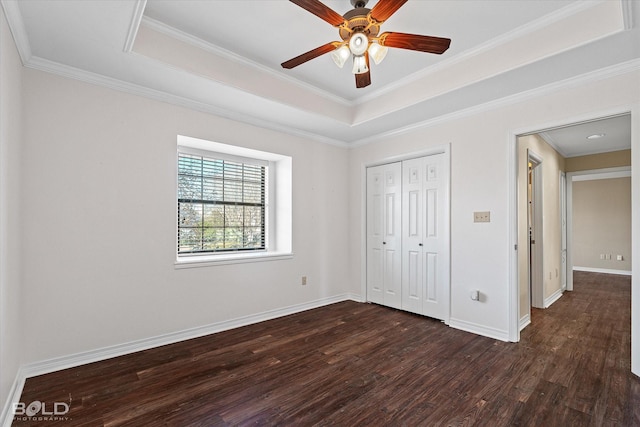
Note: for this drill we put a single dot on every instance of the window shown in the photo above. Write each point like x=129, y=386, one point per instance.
x=234, y=204
x=221, y=205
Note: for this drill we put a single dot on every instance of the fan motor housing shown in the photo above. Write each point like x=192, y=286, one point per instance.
x=358, y=21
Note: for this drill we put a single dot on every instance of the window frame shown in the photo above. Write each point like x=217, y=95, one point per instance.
x=278, y=203
x=184, y=152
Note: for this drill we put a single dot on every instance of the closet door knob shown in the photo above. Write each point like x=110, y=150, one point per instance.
x=384, y=243
x=419, y=244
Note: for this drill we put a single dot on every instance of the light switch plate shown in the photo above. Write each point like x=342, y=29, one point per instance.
x=482, y=216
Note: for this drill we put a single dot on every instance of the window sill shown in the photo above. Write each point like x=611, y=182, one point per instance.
x=235, y=258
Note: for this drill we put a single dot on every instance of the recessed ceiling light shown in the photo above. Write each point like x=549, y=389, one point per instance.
x=596, y=136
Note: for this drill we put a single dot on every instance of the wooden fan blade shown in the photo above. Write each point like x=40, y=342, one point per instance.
x=321, y=11
x=428, y=44
x=308, y=56
x=385, y=8
x=364, y=79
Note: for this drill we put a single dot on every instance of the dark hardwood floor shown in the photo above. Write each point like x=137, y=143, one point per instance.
x=352, y=364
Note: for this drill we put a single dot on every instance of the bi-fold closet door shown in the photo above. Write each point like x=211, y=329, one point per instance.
x=407, y=260
x=384, y=240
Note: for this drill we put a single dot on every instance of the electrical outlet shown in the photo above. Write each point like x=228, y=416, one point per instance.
x=482, y=216
x=619, y=258
x=602, y=256
x=304, y=280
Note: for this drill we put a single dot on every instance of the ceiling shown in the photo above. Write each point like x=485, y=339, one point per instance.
x=279, y=30
x=592, y=137
x=224, y=57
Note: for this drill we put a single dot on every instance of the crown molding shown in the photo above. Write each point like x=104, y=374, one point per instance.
x=136, y=20
x=17, y=28
x=100, y=80
x=505, y=38
x=627, y=13
x=16, y=24
x=604, y=73
x=231, y=56
x=48, y=66
x=552, y=143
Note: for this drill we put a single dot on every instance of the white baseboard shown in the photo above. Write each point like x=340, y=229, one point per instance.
x=6, y=416
x=552, y=298
x=602, y=270
x=356, y=298
x=474, y=328
x=69, y=361
x=525, y=321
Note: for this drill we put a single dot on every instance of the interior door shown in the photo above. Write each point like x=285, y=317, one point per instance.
x=425, y=261
x=384, y=240
x=535, y=198
x=412, y=235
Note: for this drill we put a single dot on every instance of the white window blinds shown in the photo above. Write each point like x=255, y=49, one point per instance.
x=221, y=205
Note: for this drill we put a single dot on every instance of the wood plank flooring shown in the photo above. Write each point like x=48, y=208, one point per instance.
x=352, y=364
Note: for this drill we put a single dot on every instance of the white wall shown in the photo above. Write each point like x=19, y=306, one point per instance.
x=481, y=157
x=99, y=212
x=10, y=136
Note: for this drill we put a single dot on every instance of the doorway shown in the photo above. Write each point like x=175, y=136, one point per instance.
x=545, y=144
x=534, y=228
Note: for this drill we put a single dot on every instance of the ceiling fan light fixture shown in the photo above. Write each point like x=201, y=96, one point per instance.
x=377, y=52
x=358, y=44
x=359, y=65
x=359, y=31
x=340, y=55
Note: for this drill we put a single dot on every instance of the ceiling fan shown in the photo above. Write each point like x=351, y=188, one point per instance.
x=359, y=30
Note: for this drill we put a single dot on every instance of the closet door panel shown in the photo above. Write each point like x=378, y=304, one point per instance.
x=375, y=233
x=435, y=301
x=431, y=276
x=392, y=240
x=384, y=262
x=412, y=231
x=412, y=286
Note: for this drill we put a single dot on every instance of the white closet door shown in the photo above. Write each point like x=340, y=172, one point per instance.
x=412, y=231
x=425, y=287
x=384, y=244
x=436, y=259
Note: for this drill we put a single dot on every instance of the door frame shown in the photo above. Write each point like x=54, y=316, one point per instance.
x=439, y=149
x=592, y=174
x=536, y=256
x=514, y=291
x=564, y=227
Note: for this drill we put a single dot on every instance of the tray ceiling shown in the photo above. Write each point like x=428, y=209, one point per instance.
x=224, y=57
